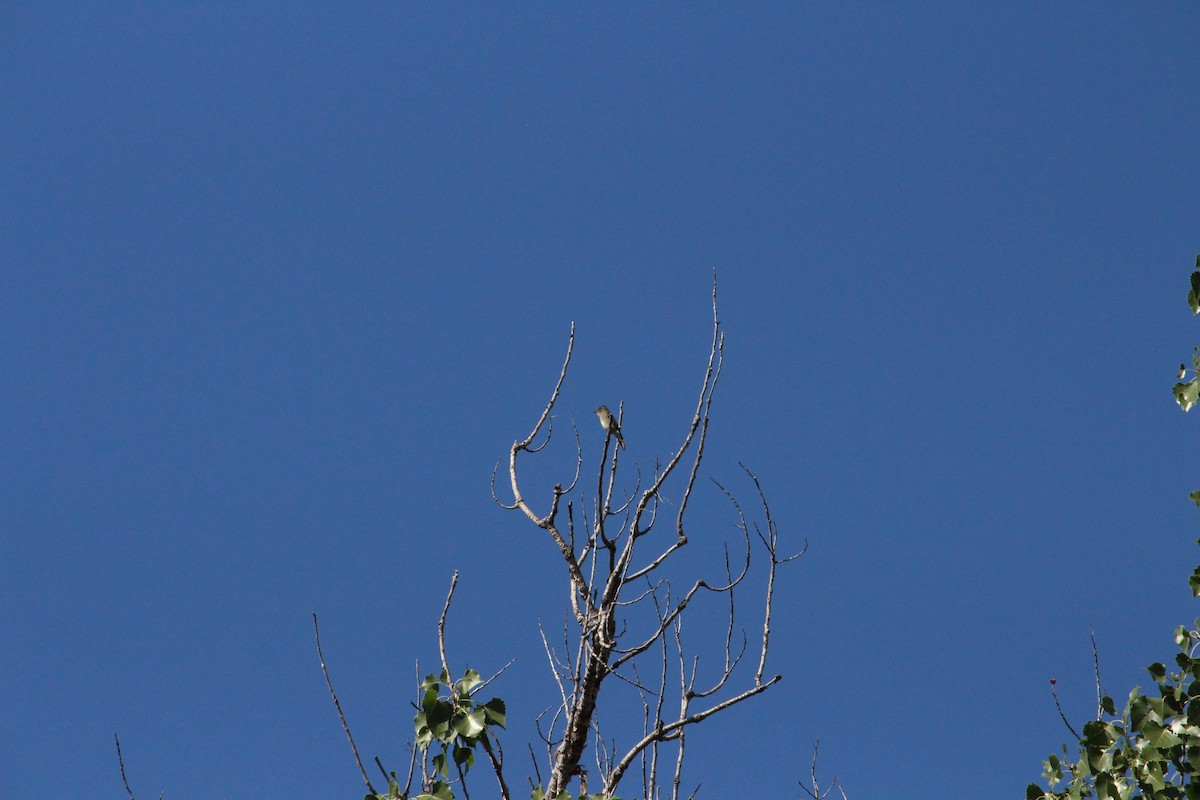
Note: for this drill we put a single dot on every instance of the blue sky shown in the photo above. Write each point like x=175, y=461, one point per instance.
x=280, y=284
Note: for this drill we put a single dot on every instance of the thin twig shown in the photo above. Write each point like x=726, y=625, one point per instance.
x=121, y=762
x=1054, y=694
x=386, y=777
x=670, y=730
x=1096, y=664
x=462, y=780
x=412, y=761
x=536, y=771
x=497, y=763
x=815, y=792
x=442, y=631
x=685, y=698
x=553, y=667
x=497, y=675
x=338, y=706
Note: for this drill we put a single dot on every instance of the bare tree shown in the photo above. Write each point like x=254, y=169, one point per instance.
x=628, y=620
x=628, y=617
x=625, y=621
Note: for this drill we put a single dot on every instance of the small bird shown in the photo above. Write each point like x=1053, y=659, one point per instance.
x=610, y=424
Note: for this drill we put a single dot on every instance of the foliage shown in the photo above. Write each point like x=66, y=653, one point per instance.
x=1152, y=750
x=452, y=724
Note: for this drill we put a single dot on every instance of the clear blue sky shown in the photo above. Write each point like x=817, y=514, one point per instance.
x=280, y=283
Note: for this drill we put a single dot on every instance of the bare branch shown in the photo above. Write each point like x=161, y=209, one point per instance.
x=497, y=759
x=700, y=416
x=547, y=522
x=412, y=761
x=1054, y=694
x=442, y=632
x=670, y=730
x=462, y=780
x=383, y=771
x=562, y=376
x=499, y=672
x=517, y=447
x=685, y=697
x=699, y=423
x=536, y=770
x=338, y=706
x=121, y=762
x=671, y=616
x=667, y=731
x=731, y=661
x=815, y=792
x=495, y=498
x=553, y=668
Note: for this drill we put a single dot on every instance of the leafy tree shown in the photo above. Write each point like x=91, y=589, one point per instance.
x=1152, y=748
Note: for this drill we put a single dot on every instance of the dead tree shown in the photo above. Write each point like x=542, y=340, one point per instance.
x=614, y=557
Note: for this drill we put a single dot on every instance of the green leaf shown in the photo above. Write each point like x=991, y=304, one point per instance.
x=1186, y=394
x=1194, y=497
x=495, y=711
x=424, y=737
x=470, y=725
x=468, y=682
x=1182, y=635
x=1098, y=735
x=437, y=717
x=1159, y=736
x=464, y=757
x=1194, y=294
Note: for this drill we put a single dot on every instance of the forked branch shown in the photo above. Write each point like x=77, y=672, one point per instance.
x=600, y=559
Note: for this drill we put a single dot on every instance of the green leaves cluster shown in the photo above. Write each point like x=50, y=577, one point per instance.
x=1152, y=750
x=454, y=720
x=456, y=723
x=452, y=723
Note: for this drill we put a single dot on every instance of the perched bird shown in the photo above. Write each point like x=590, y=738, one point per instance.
x=610, y=424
